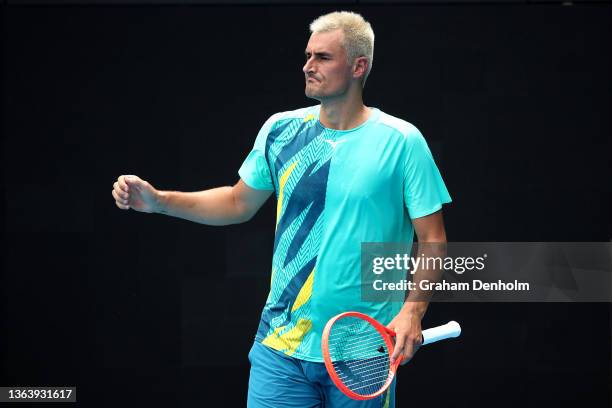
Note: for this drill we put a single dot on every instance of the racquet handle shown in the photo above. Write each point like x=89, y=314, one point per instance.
x=446, y=331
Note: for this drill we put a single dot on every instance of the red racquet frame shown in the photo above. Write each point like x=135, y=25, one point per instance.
x=387, y=335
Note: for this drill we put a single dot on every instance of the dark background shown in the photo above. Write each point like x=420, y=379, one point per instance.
x=144, y=310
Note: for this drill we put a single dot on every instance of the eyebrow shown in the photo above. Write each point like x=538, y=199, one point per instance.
x=318, y=54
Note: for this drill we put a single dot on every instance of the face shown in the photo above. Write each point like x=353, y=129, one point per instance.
x=327, y=71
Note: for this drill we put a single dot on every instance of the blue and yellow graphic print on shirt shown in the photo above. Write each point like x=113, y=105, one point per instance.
x=334, y=189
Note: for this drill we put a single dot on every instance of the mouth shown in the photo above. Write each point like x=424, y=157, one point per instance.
x=311, y=79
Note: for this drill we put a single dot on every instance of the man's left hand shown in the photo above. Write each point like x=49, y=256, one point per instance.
x=407, y=327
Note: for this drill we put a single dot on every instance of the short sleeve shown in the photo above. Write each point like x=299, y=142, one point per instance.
x=424, y=189
x=255, y=171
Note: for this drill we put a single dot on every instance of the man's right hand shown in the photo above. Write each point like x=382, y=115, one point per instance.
x=216, y=206
x=133, y=192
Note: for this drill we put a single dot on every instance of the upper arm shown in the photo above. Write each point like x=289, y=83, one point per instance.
x=424, y=189
x=430, y=228
x=249, y=200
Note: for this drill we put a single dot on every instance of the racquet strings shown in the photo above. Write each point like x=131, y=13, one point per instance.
x=359, y=355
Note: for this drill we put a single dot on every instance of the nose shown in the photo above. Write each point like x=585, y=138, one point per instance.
x=308, y=66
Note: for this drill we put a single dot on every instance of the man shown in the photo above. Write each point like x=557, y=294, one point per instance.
x=343, y=174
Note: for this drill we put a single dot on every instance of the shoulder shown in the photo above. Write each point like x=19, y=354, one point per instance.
x=400, y=127
x=285, y=120
x=301, y=114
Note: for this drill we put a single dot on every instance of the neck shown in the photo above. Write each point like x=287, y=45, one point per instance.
x=344, y=113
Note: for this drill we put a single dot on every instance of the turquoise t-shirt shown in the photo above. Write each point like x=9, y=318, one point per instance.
x=335, y=189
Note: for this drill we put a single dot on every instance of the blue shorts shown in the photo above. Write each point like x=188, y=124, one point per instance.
x=281, y=381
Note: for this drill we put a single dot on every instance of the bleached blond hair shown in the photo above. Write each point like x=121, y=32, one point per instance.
x=358, y=35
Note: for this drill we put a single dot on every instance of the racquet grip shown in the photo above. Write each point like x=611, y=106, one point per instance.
x=446, y=331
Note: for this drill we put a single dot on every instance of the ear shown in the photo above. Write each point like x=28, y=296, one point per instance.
x=360, y=67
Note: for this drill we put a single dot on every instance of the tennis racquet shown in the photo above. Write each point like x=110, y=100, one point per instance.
x=357, y=352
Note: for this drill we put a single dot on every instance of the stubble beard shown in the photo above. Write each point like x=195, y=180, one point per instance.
x=311, y=93
x=320, y=96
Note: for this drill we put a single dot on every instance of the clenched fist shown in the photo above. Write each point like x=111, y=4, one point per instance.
x=135, y=193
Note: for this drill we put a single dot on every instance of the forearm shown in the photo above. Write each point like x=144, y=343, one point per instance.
x=216, y=206
x=418, y=299
x=415, y=307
